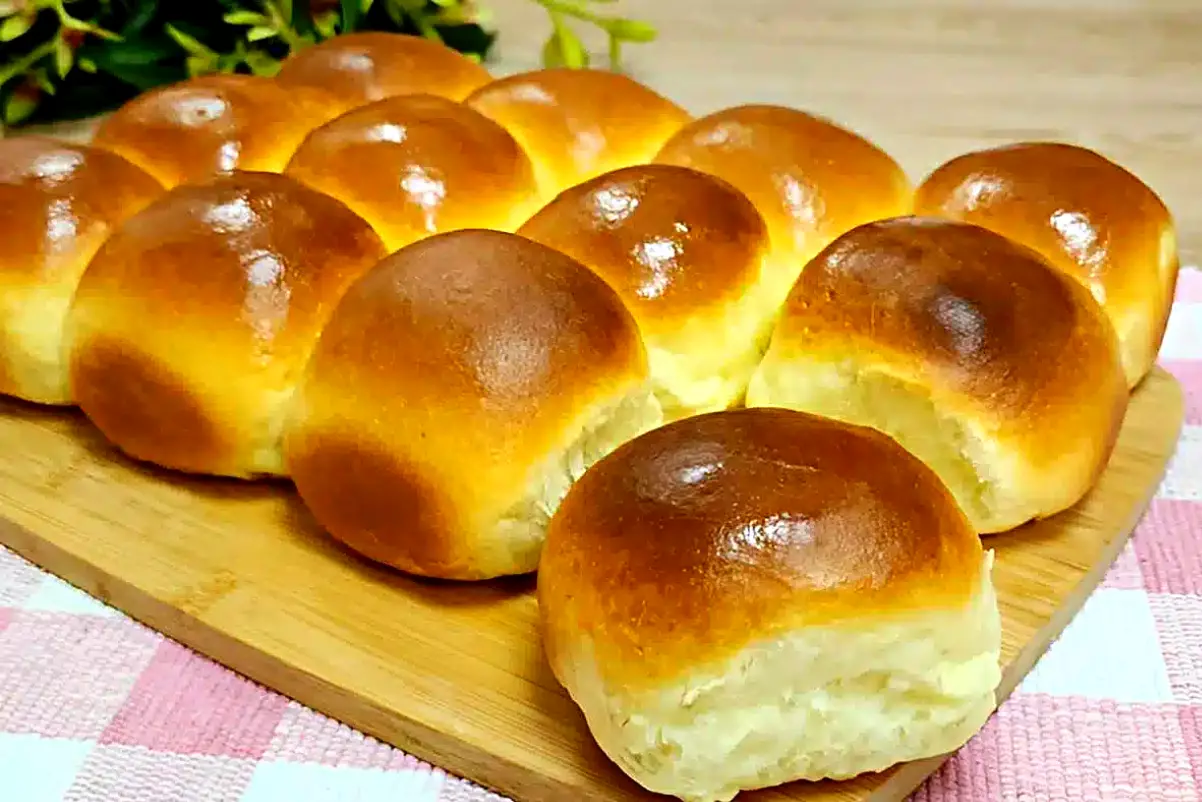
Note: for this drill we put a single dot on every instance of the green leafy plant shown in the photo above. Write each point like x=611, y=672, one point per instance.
x=70, y=59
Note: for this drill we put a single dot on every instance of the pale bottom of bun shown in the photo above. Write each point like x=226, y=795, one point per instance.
x=524, y=525
x=705, y=364
x=994, y=485
x=823, y=702
x=33, y=364
x=358, y=488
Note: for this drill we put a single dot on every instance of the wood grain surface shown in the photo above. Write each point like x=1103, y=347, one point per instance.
x=454, y=674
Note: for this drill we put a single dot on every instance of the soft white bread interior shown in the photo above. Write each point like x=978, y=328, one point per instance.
x=58, y=203
x=1086, y=215
x=686, y=252
x=749, y=597
x=579, y=123
x=457, y=391
x=190, y=328
x=202, y=127
x=810, y=178
x=993, y=367
x=366, y=66
x=417, y=165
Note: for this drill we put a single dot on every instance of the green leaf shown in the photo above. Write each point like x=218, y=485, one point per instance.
x=42, y=80
x=261, y=63
x=245, y=18
x=326, y=24
x=365, y=6
x=87, y=65
x=260, y=32
x=188, y=42
x=349, y=11
x=199, y=65
x=18, y=107
x=564, y=48
x=631, y=30
x=15, y=26
x=64, y=57
x=150, y=50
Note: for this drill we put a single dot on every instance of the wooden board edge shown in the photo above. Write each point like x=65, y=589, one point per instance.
x=906, y=779
x=472, y=763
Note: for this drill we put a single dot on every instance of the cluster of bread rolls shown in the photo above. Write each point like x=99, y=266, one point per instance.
x=742, y=395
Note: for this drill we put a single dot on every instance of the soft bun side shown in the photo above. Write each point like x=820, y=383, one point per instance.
x=206, y=126
x=579, y=123
x=60, y=202
x=418, y=165
x=745, y=598
x=811, y=179
x=457, y=391
x=997, y=370
x=686, y=252
x=191, y=326
x=366, y=66
x=1086, y=215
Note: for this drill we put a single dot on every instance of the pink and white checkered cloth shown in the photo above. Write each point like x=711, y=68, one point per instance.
x=97, y=708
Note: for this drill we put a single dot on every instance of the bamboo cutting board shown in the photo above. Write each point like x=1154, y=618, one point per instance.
x=450, y=673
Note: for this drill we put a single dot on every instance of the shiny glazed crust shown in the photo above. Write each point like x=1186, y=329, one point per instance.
x=213, y=124
x=191, y=326
x=578, y=124
x=418, y=165
x=366, y=66
x=1085, y=214
x=446, y=378
x=698, y=538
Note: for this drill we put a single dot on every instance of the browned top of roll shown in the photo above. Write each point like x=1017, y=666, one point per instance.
x=194, y=320
x=366, y=66
x=1087, y=215
x=446, y=377
x=417, y=165
x=810, y=178
x=577, y=123
x=672, y=241
x=968, y=310
x=203, y=126
x=693, y=540
x=60, y=201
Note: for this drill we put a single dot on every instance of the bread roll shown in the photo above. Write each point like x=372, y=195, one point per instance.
x=749, y=597
x=366, y=66
x=686, y=252
x=58, y=203
x=579, y=123
x=201, y=127
x=457, y=391
x=416, y=165
x=998, y=371
x=192, y=324
x=1086, y=215
x=811, y=179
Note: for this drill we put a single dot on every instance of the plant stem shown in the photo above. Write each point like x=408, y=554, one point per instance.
x=22, y=64
x=283, y=27
x=573, y=10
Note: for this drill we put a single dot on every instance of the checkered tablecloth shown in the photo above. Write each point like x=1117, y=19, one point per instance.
x=96, y=708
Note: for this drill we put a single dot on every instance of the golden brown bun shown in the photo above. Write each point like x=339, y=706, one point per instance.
x=58, y=203
x=192, y=324
x=577, y=124
x=1086, y=215
x=417, y=165
x=748, y=597
x=811, y=179
x=367, y=66
x=999, y=371
x=201, y=127
x=685, y=251
x=455, y=393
